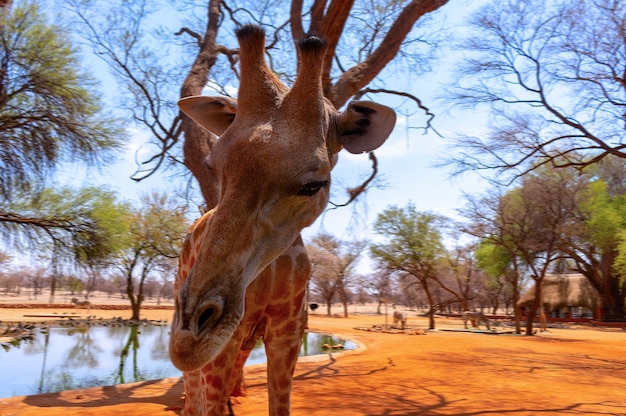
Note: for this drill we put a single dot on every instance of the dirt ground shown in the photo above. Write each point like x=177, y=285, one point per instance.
x=566, y=371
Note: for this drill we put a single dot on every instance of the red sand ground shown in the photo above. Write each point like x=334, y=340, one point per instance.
x=579, y=371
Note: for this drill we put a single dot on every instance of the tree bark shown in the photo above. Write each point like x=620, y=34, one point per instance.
x=199, y=142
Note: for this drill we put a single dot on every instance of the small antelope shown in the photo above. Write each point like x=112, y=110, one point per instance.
x=81, y=304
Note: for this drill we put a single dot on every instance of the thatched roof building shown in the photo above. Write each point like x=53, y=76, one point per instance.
x=563, y=290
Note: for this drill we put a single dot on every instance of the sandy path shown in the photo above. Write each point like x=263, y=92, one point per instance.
x=564, y=372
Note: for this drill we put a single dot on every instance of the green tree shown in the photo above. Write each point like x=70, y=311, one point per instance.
x=414, y=246
x=498, y=286
x=50, y=110
x=50, y=114
x=598, y=249
x=78, y=227
x=530, y=227
x=112, y=226
x=495, y=255
x=156, y=233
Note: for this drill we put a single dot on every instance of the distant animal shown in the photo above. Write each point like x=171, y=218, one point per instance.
x=399, y=317
x=476, y=318
x=313, y=307
x=81, y=304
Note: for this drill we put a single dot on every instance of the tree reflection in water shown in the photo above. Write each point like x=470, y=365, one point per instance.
x=69, y=358
x=132, y=344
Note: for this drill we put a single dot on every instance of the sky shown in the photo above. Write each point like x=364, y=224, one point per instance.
x=406, y=159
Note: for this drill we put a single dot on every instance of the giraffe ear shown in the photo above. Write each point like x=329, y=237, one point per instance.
x=213, y=113
x=365, y=125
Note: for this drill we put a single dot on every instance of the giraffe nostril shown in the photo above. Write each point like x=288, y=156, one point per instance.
x=209, y=316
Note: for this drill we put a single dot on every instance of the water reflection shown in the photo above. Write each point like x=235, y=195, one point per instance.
x=69, y=358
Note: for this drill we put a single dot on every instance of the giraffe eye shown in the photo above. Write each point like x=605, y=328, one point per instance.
x=312, y=188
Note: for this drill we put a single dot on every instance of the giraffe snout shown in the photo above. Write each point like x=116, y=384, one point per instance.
x=208, y=315
x=204, y=320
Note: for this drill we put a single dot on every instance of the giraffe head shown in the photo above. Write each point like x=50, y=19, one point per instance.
x=273, y=158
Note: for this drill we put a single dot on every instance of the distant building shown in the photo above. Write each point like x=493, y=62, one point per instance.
x=568, y=296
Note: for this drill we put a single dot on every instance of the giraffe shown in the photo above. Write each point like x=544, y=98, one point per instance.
x=243, y=269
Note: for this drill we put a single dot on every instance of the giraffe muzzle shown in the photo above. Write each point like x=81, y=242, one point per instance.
x=209, y=314
x=202, y=325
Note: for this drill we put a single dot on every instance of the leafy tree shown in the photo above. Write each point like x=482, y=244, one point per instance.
x=50, y=111
x=598, y=248
x=499, y=281
x=156, y=233
x=414, y=246
x=78, y=227
x=112, y=222
x=50, y=114
x=553, y=74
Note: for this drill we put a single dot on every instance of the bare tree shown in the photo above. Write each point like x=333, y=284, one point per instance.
x=553, y=74
x=324, y=270
x=380, y=285
x=334, y=263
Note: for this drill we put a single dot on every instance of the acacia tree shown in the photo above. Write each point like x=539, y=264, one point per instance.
x=50, y=114
x=380, y=285
x=554, y=76
x=50, y=110
x=156, y=234
x=597, y=248
x=462, y=271
x=414, y=247
x=501, y=283
x=362, y=40
x=77, y=227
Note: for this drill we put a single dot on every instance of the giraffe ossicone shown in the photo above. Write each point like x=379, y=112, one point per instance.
x=243, y=269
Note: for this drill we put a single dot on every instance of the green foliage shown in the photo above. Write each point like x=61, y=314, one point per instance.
x=83, y=225
x=414, y=241
x=606, y=215
x=50, y=110
x=493, y=259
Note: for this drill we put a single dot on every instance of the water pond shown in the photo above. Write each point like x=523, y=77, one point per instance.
x=67, y=358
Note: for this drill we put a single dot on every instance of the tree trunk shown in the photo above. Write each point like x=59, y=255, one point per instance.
x=53, y=287
x=344, y=301
x=431, y=304
x=516, y=312
x=534, y=307
x=199, y=142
